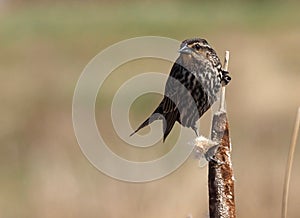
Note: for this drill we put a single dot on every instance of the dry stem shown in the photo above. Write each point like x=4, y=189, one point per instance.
x=289, y=167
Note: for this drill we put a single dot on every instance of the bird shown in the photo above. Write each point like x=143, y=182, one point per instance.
x=192, y=87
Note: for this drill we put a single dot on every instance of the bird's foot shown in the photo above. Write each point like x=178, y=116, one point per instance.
x=195, y=130
x=225, y=79
x=205, y=150
x=210, y=155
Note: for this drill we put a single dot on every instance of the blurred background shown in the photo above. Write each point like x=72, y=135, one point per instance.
x=45, y=45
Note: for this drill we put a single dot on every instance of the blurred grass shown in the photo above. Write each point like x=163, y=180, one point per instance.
x=65, y=22
x=44, y=48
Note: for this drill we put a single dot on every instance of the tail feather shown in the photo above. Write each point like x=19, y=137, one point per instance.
x=170, y=119
x=153, y=117
x=145, y=123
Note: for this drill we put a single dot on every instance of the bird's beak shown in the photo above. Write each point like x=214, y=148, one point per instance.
x=185, y=50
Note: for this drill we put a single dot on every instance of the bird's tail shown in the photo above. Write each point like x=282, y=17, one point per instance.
x=169, y=120
x=155, y=116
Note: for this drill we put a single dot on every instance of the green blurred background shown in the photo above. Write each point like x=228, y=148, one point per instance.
x=44, y=46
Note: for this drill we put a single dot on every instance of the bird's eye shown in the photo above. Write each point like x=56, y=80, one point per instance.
x=197, y=47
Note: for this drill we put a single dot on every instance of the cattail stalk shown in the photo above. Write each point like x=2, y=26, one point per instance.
x=220, y=173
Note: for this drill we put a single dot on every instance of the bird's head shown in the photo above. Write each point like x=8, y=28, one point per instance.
x=198, y=49
x=194, y=48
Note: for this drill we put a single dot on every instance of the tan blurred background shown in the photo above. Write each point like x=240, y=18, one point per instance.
x=44, y=46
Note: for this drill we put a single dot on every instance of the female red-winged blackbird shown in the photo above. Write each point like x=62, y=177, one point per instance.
x=192, y=87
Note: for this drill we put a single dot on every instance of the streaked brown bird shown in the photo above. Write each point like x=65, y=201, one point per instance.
x=192, y=87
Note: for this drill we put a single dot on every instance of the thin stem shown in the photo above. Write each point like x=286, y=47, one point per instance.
x=288, y=171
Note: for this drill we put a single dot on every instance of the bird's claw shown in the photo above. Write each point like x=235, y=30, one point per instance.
x=214, y=159
x=207, y=149
x=225, y=79
x=210, y=154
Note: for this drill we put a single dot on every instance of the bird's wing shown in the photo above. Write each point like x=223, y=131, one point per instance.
x=182, y=99
x=171, y=89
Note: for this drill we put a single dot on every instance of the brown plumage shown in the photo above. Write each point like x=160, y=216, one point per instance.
x=194, y=81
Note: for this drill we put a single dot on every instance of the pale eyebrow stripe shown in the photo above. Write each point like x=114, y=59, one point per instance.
x=205, y=46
